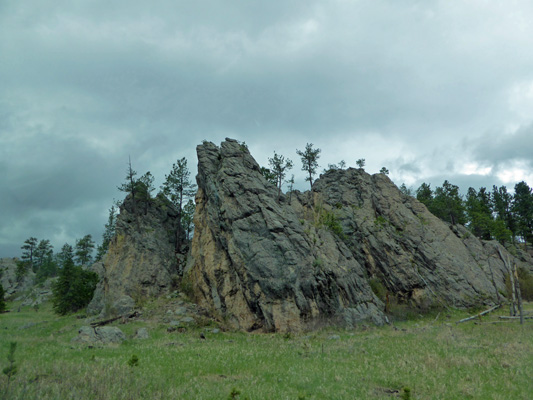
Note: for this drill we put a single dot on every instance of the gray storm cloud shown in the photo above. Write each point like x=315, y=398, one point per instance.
x=427, y=89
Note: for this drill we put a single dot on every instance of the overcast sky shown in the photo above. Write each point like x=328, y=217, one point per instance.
x=432, y=90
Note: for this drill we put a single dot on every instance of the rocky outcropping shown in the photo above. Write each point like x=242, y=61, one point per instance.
x=259, y=265
x=260, y=262
x=141, y=260
x=415, y=255
x=8, y=277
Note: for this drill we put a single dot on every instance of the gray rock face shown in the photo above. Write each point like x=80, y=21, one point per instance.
x=263, y=263
x=257, y=263
x=8, y=280
x=415, y=255
x=124, y=305
x=141, y=259
x=40, y=293
x=103, y=334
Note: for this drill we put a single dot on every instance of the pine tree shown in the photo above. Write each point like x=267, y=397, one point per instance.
x=268, y=175
x=178, y=188
x=479, y=212
x=523, y=209
x=448, y=205
x=405, y=190
x=145, y=185
x=424, y=194
x=280, y=165
x=309, y=159
x=109, y=232
x=43, y=252
x=188, y=218
x=502, y=204
x=62, y=293
x=291, y=187
x=84, y=249
x=29, y=249
x=66, y=255
x=130, y=184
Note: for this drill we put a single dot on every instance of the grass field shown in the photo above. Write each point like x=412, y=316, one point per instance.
x=426, y=358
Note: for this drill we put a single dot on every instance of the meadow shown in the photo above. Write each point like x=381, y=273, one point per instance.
x=426, y=357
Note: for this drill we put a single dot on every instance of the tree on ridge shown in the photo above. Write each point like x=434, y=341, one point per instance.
x=309, y=159
x=280, y=165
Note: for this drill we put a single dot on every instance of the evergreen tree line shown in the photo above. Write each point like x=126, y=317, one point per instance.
x=497, y=214
x=38, y=256
x=75, y=285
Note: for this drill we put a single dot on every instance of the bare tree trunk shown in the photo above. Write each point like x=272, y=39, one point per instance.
x=513, y=290
x=518, y=294
x=479, y=315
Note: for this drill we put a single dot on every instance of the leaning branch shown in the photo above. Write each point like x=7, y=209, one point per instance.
x=480, y=314
x=108, y=321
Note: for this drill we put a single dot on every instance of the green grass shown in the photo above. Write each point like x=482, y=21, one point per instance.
x=435, y=359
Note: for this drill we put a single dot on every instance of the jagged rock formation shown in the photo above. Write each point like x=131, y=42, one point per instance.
x=141, y=260
x=415, y=255
x=256, y=263
x=263, y=263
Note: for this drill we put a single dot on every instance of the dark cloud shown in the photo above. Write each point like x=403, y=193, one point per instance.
x=496, y=149
x=428, y=89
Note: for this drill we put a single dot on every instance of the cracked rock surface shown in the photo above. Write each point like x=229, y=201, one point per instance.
x=306, y=259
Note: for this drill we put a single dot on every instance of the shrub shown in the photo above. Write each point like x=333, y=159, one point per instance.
x=381, y=221
x=133, y=361
x=328, y=219
x=406, y=393
x=234, y=394
x=377, y=287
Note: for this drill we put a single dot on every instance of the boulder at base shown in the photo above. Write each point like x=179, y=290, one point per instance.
x=102, y=334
